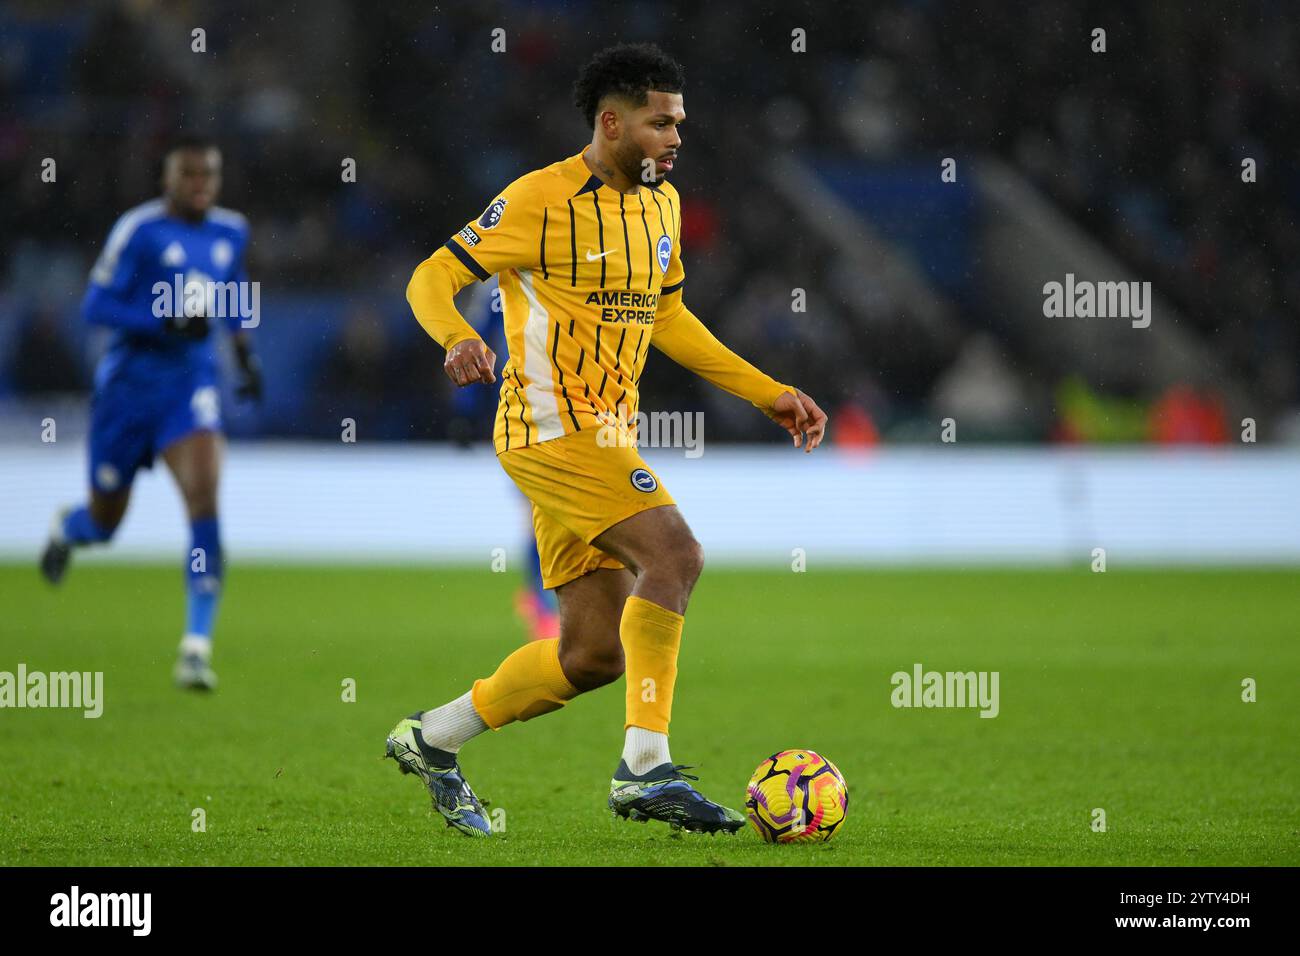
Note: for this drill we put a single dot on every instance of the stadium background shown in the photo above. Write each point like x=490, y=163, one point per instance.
x=817, y=171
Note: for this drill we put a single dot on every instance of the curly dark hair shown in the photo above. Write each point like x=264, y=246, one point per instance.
x=182, y=141
x=628, y=70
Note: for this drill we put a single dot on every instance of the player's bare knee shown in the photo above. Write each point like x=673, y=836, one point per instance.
x=683, y=562
x=107, y=512
x=608, y=667
x=679, y=557
x=107, y=524
x=589, y=668
x=692, y=559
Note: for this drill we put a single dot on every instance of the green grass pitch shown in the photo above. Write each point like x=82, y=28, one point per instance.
x=1119, y=691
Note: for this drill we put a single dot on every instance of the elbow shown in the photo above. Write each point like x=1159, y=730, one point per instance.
x=418, y=288
x=411, y=284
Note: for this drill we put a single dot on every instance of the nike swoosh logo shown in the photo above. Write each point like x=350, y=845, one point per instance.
x=591, y=258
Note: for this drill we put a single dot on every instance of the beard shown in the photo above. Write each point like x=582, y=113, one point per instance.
x=630, y=163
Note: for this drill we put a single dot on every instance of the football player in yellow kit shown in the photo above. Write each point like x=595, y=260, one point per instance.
x=588, y=256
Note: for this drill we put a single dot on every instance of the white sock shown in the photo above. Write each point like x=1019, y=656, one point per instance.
x=645, y=749
x=196, y=644
x=449, y=726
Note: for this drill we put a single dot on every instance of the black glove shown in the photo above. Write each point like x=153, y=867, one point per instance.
x=186, y=326
x=248, y=386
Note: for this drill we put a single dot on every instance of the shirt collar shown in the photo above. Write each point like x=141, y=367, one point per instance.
x=576, y=171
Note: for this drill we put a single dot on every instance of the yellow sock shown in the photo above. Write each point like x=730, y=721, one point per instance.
x=528, y=683
x=651, y=636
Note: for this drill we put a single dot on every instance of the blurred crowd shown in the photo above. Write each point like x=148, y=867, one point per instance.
x=1143, y=144
x=1139, y=147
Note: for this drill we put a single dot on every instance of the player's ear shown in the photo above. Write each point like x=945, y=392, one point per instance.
x=611, y=119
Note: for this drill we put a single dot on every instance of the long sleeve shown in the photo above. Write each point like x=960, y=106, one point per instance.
x=685, y=340
x=506, y=236
x=114, y=296
x=431, y=294
x=104, y=306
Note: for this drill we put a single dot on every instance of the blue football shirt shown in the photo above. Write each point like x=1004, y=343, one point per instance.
x=147, y=249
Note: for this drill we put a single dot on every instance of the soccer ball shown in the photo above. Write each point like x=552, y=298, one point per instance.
x=796, y=796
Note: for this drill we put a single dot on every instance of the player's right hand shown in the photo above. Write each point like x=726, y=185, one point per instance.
x=469, y=362
x=798, y=414
x=186, y=326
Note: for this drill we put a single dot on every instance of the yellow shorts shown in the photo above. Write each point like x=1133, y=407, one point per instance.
x=578, y=490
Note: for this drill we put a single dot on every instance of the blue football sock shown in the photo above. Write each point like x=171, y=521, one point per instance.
x=203, y=577
x=80, y=528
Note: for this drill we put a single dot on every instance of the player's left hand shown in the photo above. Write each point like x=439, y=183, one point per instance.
x=798, y=414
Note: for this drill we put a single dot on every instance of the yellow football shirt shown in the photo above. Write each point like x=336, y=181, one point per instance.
x=587, y=276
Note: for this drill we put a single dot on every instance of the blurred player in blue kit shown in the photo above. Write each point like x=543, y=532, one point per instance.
x=171, y=270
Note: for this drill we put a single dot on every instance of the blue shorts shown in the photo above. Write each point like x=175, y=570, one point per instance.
x=130, y=424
